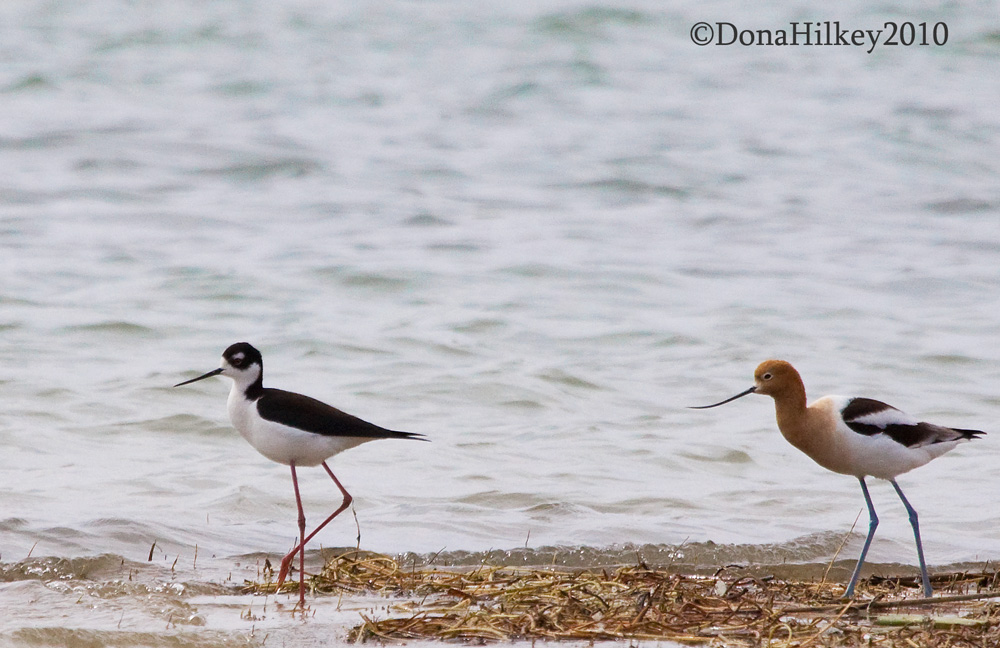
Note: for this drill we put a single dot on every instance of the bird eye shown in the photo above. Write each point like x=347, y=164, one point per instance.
x=766, y=376
x=238, y=359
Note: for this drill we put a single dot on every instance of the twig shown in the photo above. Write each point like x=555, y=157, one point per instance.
x=836, y=553
x=888, y=605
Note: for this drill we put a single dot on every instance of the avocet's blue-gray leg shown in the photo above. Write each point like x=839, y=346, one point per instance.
x=872, y=525
x=928, y=592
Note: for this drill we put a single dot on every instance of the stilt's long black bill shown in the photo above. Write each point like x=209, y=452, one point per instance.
x=213, y=372
x=728, y=400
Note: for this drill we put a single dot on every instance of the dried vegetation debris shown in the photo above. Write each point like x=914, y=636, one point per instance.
x=730, y=608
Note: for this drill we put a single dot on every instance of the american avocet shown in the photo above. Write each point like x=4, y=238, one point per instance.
x=854, y=436
x=291, y=429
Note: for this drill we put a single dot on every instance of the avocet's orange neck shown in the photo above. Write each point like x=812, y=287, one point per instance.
x=810, y=428
x=790, y=408
x=779, y=380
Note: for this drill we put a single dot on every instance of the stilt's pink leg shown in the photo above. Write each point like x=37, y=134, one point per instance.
x=286, y=562
x=302, y=542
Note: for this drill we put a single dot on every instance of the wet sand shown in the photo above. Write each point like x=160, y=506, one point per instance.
x=174, y=600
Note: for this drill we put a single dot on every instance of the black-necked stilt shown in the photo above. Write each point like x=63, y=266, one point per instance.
x=291, y=429
x=854, y=436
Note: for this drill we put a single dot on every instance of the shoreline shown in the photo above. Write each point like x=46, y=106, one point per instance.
x=359, y=595
x=735, y=605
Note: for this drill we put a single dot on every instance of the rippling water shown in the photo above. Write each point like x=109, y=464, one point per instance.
x=534, y=232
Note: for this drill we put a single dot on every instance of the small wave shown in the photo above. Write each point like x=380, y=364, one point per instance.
x=630, y=187
x=561, y=377
x=56, y=568
x=480, y=325
x=12, y=524
x=694, y=557
x=466, y=246
x=264, y=169
x=82, y=637
x=118, y=327
x=589, y=21
x=33, y=81
x=535, y=271
x=376, y=281
x=186, y=423
x=960, y=206
x=45, y=140
x=948, y=359
x=523, y=403
x=425, y=219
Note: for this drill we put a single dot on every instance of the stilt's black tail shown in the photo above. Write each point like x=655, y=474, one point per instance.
x=406, y=435
x=969, y=434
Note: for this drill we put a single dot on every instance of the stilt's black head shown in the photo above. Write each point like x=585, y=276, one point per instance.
x=241, y=362
x=241, y=355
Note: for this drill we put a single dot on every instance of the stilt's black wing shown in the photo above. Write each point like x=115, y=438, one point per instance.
x=308, y=414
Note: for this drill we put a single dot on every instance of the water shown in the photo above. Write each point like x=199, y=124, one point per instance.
x=534, y=232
